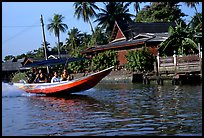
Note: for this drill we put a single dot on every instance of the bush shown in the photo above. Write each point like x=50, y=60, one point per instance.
x=104, y=60
x=140, y=60
x=78, y=66
x=19, y=76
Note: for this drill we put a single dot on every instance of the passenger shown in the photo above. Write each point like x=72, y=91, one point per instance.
x=55, y=78
x=33, y=75
x=40, y=77
x=49, y=77
x=65, y=76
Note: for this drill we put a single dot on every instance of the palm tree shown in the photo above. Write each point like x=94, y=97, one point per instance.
x=136, y=7
x=193, y=5
x=180, y=39
x=114, y=11
x=86, y=11
x=85, y=38
x=74, y=39
x=98, y=38
x=56, y=26
x=195, y=24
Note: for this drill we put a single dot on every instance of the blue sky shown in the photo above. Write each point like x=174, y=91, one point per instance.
x=21, y=27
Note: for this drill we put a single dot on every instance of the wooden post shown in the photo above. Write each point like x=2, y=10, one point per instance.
x=175, y=61
x=43, y=33
x=200, y=61
x=158, y=64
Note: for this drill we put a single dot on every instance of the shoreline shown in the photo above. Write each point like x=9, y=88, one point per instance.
x=118, y=76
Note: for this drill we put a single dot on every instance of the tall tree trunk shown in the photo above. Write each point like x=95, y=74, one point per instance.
x=197, y=15
x=58, y=45
x=91, y=26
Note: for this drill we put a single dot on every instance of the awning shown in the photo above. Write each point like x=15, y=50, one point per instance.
x=51, y=62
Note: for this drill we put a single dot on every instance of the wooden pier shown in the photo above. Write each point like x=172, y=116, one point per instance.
x=177, y=69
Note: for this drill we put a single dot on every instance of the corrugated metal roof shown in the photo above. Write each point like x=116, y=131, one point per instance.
x=146, y=37
x=11, y=66
x=132, y=29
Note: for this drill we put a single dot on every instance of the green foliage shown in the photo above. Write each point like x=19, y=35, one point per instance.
x=140, y=60
x=76, y=41
x=160, y=12
x=78, y=66
x=85, y=10
x=180, y=39
x=104, y=60
x=98, y=37
x=113, y=11
x=21, y=56
x=19, y=76
x=9, y=57
x=195, y=24
x=56, y=26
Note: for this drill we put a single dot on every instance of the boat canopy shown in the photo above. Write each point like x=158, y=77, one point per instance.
x=50, y=62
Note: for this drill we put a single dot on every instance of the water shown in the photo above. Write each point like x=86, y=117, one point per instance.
x=106, y=110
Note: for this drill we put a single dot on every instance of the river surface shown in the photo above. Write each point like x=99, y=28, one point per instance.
x=108, y=109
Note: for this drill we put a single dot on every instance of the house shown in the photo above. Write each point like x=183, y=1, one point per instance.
x=12, y=66
x=131, y=36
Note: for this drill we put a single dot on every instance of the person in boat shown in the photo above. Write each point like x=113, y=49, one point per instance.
x=49, y=77
x=33, y=75
x=65, y=76
x=55, y=78
x=40, y=77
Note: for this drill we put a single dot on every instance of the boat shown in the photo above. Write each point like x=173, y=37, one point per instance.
x=65, y=87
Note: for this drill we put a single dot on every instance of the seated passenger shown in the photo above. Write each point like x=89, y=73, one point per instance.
x=65, y=76
x=33, y=75
x=49, y=77
x=55, y=78
x=40, y=77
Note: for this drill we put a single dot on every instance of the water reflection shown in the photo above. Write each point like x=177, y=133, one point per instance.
x=110, y=110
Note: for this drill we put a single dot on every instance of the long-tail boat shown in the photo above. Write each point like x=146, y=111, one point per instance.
x=64, y=87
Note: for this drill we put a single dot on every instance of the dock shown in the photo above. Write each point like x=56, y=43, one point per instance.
x=177, y=69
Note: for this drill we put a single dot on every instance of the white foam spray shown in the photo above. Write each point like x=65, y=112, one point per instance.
x=9, y=90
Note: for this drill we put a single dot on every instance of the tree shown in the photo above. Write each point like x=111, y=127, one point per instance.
x=86, y=11
x=21, y=56
x=160, y=12
x=193, y=5
x=98, y=37
x=136, y=7
x=9, y=57
x=56, y=26
x=114, y=11
x=140, y=60
x=195, y=24
x=74, y=40
x=85, y=39
x=180, y=40
x=47, y=48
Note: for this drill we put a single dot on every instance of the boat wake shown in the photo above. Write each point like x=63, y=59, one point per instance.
x=9, y=90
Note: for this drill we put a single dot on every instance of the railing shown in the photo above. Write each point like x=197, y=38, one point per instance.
x=179, y=64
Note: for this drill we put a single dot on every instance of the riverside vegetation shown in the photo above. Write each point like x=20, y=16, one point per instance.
x=138, y=60
x=77, y=41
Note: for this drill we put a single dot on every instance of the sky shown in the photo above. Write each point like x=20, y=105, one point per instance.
x=22, y=31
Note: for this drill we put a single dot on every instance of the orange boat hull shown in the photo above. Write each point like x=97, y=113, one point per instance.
x=65, y=87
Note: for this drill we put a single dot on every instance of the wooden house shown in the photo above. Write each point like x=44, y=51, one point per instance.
x=12, y=66
x=133, y=35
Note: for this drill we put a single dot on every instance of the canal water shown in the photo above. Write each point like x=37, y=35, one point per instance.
x=108, y=109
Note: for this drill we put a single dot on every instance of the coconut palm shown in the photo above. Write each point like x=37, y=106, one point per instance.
x=114, y=11
x=86, y=10
x=74, y=39
x=193, y=5
x=195, y=24
x=136, y=7
x=85, y=38
x=56, y=26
